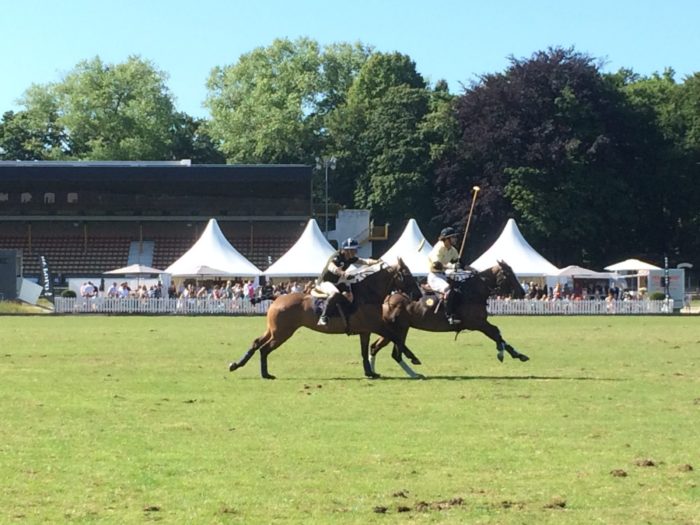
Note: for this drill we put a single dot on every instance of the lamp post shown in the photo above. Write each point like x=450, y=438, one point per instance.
x=323, y=162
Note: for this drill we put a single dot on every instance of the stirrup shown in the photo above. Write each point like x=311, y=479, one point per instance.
x=322, y=321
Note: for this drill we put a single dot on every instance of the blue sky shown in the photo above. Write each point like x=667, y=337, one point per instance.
x=451, y=39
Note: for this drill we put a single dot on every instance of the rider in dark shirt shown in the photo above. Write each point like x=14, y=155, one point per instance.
x=334, y=271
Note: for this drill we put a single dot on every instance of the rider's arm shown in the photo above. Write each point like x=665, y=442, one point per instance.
x=335, y=269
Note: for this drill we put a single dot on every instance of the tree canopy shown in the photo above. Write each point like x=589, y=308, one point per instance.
x=593, y=165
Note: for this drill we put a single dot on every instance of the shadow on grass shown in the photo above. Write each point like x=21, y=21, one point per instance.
x=445, y=378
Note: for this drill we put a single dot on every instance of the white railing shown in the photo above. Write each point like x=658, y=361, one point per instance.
x=566, y=307
x=105, y=305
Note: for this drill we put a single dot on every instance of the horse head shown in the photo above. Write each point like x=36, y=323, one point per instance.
x=404, y=281
x=507, y=283
x=382, y=279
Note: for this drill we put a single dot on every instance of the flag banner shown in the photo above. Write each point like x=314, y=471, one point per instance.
x=46, y=282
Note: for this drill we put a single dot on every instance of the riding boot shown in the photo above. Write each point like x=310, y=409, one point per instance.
x=450, y=307
x=330, y=303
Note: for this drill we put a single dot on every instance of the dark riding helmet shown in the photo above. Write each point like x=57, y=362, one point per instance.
x=448, y=232
x=349, y=244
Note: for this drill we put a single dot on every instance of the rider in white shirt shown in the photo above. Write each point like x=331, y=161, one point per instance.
x=444, y=256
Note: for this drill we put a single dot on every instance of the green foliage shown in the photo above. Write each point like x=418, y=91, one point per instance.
x=68, y=293
x=269, y=106
x=117, y=420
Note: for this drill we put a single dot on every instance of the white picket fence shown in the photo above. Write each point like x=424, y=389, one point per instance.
x=589, y=307
x=106, y=305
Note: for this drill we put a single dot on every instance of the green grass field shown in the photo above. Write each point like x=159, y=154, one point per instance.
x=133, y=420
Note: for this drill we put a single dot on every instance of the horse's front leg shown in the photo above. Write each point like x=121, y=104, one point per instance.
x=364, y=350
x=494, y=333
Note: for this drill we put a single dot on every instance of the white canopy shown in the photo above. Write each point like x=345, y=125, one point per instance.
x=306, y=258
x=214, y=252
x=578, y=272
x=135, y=269
x=512, y=248
x=631, y=265
x=412, y=248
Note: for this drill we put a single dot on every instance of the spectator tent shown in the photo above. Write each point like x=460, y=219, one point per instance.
x=512, y=248
x=306, y=258
x=212, y=256
x=412, y=248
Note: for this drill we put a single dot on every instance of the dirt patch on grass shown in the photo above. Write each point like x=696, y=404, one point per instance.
x=618, y=473
x=556, y=503
x=646, y=462
x=686, y=468
x=424, y=506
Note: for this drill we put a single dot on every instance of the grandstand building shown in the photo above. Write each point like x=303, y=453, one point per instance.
x=86, y=218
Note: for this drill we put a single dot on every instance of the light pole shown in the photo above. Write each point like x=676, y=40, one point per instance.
x=323, y=162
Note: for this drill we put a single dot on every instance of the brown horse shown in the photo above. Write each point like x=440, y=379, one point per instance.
x=473, y=293
x=290, y=312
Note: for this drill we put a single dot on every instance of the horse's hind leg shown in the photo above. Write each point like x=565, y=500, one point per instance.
x=374, y=349
x=364, y=350
x=235, y=365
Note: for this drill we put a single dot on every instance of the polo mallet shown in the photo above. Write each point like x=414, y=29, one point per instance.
x=469, y=218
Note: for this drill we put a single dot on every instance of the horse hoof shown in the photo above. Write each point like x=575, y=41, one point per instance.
x=500, y=356
x=523, y=358
x=419, y=376
x=269, y=376
x=416, y=361
x=373, y=375
x=233, y=366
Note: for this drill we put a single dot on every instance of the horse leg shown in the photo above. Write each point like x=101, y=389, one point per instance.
x=364, y=349
x=374, y=350
x=494, y=333
x=400, y=349
x=263, y=339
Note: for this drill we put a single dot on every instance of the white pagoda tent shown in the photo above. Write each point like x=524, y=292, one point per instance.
x=512, y=248
x=308, y=256
x=412, y=247
x=212, y=256
x=631, y=265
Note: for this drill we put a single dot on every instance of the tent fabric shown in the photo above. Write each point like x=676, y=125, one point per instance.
x=213, y=251
x=135, y=269
x=631, y=265
x=512, y=248
x=306, y=258
x=578, y=272
x=412, y=247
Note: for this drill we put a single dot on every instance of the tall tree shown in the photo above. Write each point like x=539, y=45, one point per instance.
x=548, y=141
x=191, y=140
x=271, y=105
x=108, y=112
x=377, y=135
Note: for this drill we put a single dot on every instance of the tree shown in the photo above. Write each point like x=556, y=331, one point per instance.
x=271, y=105
x=121, y=111
x=22, y=138
x=106, y=112
x=549, y=141
x=377, y=135
x=191, y=140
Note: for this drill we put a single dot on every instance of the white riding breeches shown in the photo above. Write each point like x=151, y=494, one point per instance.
x=328, y=288
x=438, y=282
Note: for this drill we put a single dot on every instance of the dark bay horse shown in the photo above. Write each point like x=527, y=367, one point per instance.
x=473, y=294
x=290, y=312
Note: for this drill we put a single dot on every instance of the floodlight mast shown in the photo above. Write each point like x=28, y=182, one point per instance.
x=326, y=162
